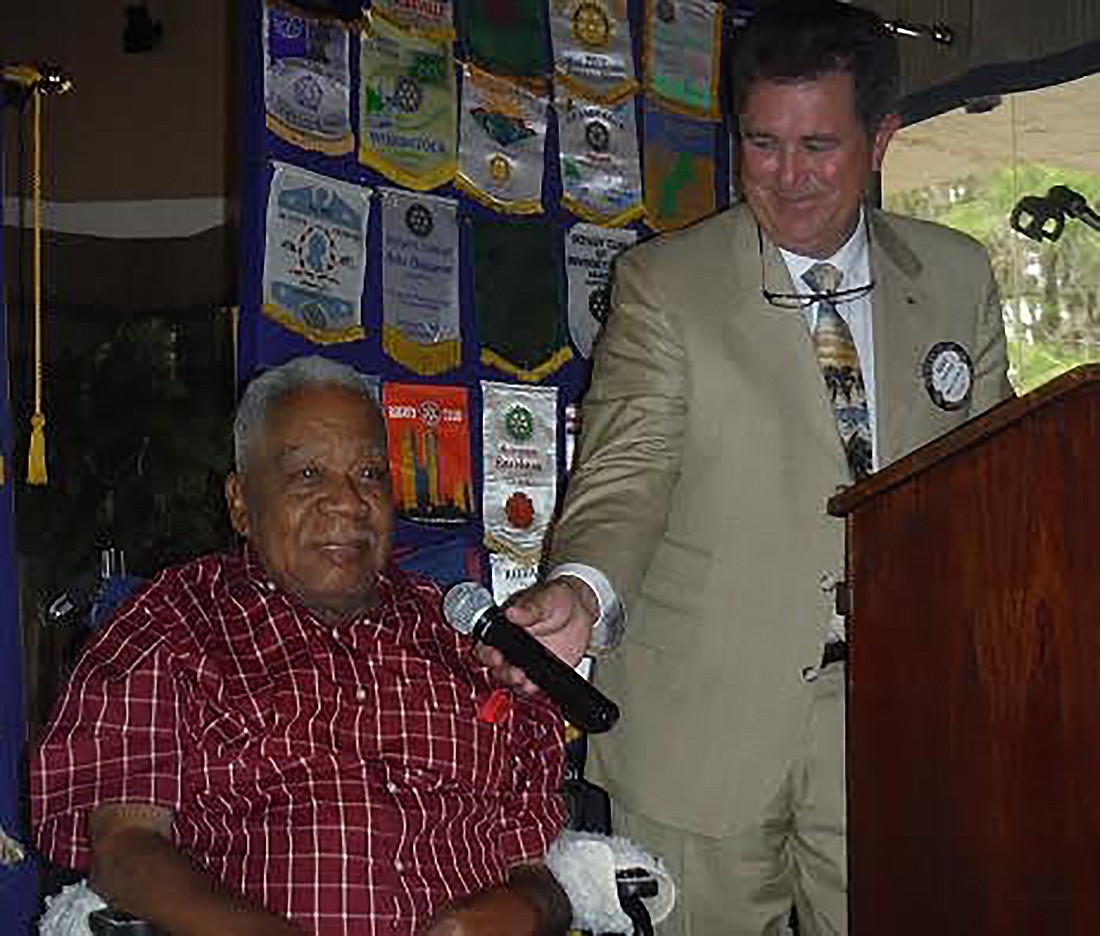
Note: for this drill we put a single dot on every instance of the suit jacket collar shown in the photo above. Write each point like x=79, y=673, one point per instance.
x=902, y=312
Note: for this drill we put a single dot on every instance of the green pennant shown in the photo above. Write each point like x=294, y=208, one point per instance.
x=506, y=37
x=517, y=293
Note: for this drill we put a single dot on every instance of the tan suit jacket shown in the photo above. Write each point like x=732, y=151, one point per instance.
x=708, y=452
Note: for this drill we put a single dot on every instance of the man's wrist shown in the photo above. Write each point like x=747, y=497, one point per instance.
x=609, y=620
x=540, y=888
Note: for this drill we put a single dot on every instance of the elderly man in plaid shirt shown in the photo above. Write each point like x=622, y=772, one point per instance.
x=288, y=738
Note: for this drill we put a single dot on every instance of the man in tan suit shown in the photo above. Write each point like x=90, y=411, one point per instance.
x=714, y=432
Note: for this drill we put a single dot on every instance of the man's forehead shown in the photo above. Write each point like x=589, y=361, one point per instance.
x=316, y=443
x=316, y=415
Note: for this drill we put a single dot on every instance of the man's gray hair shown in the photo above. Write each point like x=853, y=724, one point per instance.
x=273, y=385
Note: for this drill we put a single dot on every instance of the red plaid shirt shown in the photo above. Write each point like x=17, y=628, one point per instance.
x=340, y=776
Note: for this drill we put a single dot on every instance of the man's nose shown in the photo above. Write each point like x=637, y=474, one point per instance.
x=790, y=169
x=347, y=496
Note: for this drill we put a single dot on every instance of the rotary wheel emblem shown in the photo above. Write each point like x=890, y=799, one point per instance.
x=407, y=96
x=597, y=136
x=599, y=303
x=591, y=26
x=419, y=220
x=519, y=423
x=429, y=413
x=500, y=169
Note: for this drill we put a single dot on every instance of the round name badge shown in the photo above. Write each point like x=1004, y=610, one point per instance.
x=948, y=375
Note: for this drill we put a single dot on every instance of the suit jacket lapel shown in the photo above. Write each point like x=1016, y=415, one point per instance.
x=784, y=336
x=901, y=311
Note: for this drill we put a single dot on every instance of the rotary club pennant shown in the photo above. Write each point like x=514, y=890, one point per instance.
x=306, y=80
x=420, y=311
x=682, y=52
x=510, y=575
x=679, y=168
x=600, y=177
x=503, y=131
x=431, y=18
x=428, y=431
x=407, y=124
x=589, y=251
x=519, y=446
x=315, y=254
x=592, y=47
x=517, y=295
x=506, y=37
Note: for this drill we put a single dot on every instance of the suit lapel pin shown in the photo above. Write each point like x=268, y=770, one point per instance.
x=948, y=375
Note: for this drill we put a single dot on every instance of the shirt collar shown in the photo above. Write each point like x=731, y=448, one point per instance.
x=245, y=570
x=851, y=259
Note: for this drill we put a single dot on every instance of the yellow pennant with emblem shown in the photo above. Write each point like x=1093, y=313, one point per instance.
x=592, y=47
x=407, y=106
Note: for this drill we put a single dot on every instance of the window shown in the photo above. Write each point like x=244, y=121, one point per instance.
x=968, y=168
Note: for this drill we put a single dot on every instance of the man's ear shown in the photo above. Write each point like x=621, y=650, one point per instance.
x=234, y=499
x=884, y=133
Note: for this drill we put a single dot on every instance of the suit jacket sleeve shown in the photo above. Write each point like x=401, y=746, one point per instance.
x=631, y=436
x=991, y=384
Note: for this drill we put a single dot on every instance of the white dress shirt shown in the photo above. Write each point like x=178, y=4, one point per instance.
x=853, y=261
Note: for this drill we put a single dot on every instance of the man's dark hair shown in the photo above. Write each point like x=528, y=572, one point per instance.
x=804, y=40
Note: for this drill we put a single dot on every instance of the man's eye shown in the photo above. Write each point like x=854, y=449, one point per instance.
x=309, y=473
x=375, y=472
x=760, y=143
x=820, y=146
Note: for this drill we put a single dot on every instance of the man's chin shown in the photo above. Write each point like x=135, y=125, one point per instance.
x=337, y=605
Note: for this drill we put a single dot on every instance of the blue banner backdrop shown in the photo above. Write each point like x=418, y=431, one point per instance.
x=18, y=884
x=263, y=343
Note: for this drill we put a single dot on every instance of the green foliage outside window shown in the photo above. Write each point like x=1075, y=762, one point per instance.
x=1050, y=290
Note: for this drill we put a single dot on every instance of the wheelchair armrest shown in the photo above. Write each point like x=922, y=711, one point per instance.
x=633, y=885
x=110, y=922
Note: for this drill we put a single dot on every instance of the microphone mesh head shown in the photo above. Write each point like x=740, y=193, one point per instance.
x=464, y=604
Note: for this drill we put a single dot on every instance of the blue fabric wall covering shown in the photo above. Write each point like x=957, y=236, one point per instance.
x=18, y=884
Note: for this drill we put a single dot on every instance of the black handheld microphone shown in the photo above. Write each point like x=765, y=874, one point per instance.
x=469, y=609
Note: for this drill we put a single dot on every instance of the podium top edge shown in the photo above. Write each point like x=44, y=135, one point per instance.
x=968, y=435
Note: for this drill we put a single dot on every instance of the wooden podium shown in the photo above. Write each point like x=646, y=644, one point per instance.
x=974, y=676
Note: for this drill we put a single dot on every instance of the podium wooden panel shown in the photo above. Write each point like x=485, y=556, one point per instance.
x=974, y=676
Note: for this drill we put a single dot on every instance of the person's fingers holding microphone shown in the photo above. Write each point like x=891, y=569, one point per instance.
x=560, y=613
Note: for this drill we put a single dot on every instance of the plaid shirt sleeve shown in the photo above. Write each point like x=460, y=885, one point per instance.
x=115, y=736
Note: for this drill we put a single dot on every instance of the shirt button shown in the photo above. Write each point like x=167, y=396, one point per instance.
x=391, y=787
x=270, y=586
x=399, y=866
x=360, y=694
x=336, y=634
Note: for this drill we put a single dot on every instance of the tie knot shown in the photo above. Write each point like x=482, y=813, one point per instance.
x=823, y=278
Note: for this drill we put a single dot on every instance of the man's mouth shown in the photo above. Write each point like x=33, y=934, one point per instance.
x=346, y=548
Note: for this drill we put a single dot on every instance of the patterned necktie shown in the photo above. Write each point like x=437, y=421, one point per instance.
x=839, y=360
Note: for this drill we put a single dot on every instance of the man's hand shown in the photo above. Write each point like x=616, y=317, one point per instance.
x=532, y=903
x=496, y=912
x=560, y=613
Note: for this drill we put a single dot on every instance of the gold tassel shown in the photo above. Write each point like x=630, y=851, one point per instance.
x=38, y=81
x=36, y=457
